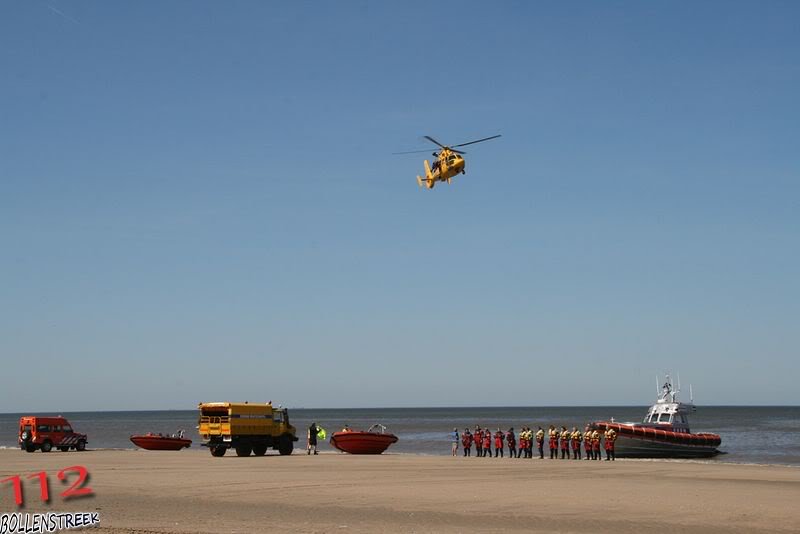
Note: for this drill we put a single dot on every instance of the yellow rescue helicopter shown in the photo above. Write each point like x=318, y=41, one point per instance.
x=448, y=163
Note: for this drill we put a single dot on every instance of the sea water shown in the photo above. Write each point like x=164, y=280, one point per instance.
x=750, y=434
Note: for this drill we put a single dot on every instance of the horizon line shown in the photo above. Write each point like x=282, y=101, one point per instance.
x=421, y=408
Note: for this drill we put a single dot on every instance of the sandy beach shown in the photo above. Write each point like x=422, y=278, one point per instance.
x=189, y=491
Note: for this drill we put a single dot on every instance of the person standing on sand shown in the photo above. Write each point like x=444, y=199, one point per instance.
x=611, y=437
x=511, y=440
x=478, y=441
x=553, y=435
x=596, y=445
x=466, y=441
x=521, y=450
x=531, y=437
x=454, y=437
x=587, y=442
x=526, y=450
x=498, y=443
x=565, y=437
x=540, y=442
x=576, y=443
x=313, y=430
x=487, y=443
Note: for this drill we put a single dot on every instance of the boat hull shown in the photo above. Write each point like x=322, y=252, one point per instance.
x=362, y=442
x=160, y=443
x=637, y=441
x=629, y=447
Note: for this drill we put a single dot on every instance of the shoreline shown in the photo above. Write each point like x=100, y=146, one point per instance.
x=175, y=492
x=299, y=452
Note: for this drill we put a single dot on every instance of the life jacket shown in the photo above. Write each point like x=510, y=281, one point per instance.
x=510, y=439
x=539, y=436
x=487, y=440
x=478, y=438
x=466, y=440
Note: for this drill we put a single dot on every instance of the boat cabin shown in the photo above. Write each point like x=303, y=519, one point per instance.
x=669, y=412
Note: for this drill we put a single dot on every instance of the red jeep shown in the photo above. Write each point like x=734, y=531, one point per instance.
x=47, y=432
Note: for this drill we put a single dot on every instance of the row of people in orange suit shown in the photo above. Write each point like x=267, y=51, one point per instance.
x=563, y=440
x=592, y=439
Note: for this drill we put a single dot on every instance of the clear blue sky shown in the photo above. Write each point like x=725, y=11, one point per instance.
x=198, y=201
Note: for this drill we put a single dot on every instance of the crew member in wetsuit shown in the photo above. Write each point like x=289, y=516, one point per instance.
x=587, y=442
x=511, y=441
x=577, y=437
x=478, y=441
x=466, y=441
x=498, y=443
x=522, y=450
x=487, y=443
x=553, y=436
x=610, y=436
x=565, y=436
x=596, y=445
x=540, y=442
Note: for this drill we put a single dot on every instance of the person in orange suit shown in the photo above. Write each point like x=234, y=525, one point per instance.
x=564, y=435
x=576, y=437
x=498, y=443
x=610, y=436
x=511, y=441
x=487, y=443
x=466, y=442
x=587, y=442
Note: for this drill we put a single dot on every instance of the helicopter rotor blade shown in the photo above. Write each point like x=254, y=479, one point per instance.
x=457, y=151
x=434, y=141
x=473, y=142
x=411, y=152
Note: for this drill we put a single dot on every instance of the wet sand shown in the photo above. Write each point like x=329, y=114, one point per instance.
x=189, y=491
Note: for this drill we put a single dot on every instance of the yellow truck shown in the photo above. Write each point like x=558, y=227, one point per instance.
x=246, y=428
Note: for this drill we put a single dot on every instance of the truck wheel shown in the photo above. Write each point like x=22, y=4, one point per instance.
x=286, y=446
x=243, y=450
x=218, y=451
x=63, y=449
x=80, y=446
x=47, y=446
x=30, y=447
x=259, y=450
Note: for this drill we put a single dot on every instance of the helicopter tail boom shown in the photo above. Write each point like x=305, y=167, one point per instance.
x=428, y=181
